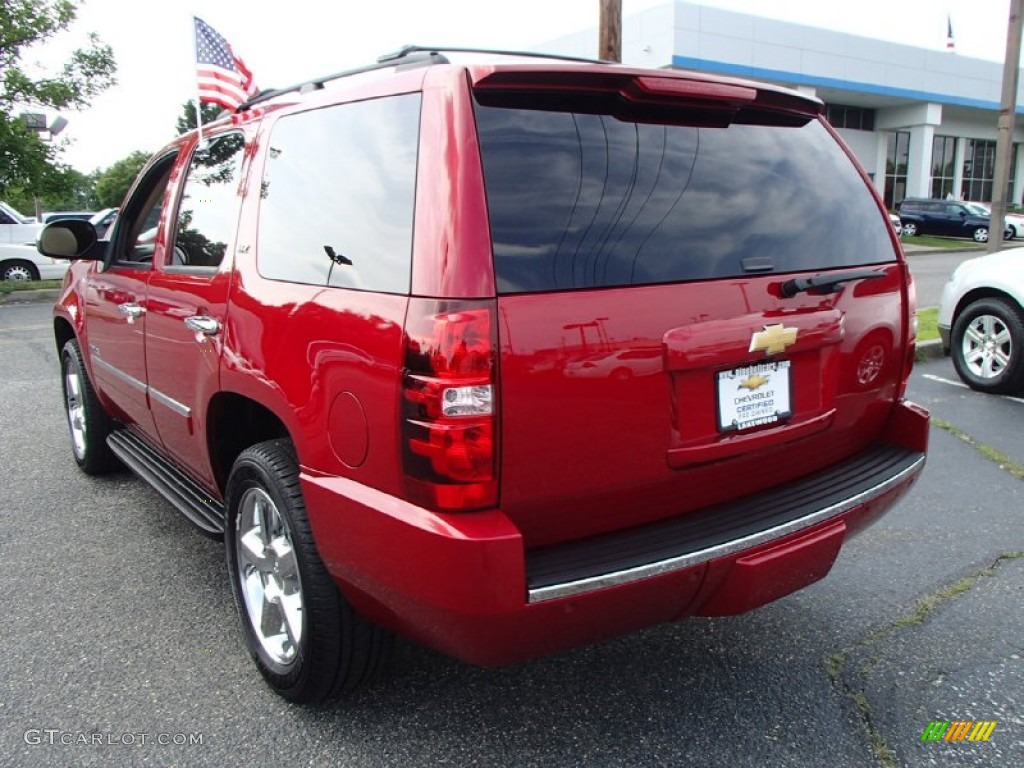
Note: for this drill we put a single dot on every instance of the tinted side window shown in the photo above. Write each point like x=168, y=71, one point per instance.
x=338, y=194
x=134, y=236
x=590, y=200
x=208, y=213
x=5, y=219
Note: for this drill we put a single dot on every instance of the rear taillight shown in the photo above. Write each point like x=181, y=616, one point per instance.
x=449, y=441
x=911, y=326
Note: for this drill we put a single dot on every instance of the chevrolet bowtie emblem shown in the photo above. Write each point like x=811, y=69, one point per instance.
x=773, y=339
x=753, y=382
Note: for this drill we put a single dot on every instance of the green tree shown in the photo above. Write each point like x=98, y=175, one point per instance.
x=187, y=118
x=113, y=184
x=68, y=190
x=28, y=164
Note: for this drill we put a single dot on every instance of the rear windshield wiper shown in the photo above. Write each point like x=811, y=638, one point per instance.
x=826, y=283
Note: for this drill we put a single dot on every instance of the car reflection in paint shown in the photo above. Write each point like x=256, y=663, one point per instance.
x=619, y=366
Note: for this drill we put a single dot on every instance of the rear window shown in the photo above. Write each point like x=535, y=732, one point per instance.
x=590, y=201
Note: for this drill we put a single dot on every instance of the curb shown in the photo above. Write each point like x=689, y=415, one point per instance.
x=928, y=350
x=925, y=250
x=38, y=296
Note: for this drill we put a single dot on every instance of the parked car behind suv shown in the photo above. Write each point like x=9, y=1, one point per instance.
x=950, y=218
x=1014, y=222
x=58, y=215
x=981, y=321
x=351, y=350
x=24, y=262
x=15, y=228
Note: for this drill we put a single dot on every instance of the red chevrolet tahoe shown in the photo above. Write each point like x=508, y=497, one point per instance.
x=505, y=357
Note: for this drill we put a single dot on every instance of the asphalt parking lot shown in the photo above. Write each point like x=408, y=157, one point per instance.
x=119, y=633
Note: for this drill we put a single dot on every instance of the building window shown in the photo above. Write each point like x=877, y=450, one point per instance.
x=979, y=170
x=896, y=157
x=843, y=116
x=943, y=158
x=1010, y=188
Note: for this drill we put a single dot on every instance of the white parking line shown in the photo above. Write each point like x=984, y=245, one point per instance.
x=24, y=328
x=960, y=384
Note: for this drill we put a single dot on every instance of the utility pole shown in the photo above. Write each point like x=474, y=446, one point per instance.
x=609, y=44
x=1004, y=135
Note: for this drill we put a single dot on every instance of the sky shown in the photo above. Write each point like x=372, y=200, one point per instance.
x=287, y=41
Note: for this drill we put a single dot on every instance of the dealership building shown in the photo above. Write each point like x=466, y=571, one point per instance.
x=922, y=122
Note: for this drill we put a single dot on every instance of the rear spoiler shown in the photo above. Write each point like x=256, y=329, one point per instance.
x=642, y=88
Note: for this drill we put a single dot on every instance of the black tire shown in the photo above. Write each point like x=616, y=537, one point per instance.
x=980, y=234
x=910, y=228
x=88, y=423
x=1011, y=232
x=18, y=269
x=326, y=648
x=987, y=346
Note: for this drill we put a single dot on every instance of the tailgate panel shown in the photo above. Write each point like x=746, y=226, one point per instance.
x=614, y=396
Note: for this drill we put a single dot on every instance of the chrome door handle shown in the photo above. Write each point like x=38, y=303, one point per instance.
x=131, y=311
x=208, y=326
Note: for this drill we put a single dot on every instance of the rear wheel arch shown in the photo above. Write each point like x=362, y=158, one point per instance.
x=234, y=423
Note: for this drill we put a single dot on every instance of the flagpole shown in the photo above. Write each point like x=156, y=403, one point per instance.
x=199, y=103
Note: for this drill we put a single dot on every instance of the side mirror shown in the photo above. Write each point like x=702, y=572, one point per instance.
x=71, y=240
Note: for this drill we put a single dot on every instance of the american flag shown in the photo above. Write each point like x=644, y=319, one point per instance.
x=223, y=77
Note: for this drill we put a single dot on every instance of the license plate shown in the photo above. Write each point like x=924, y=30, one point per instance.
x=753, y=396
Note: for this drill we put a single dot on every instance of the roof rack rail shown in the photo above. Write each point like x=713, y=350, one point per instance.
x=306, y=86
x=406, y=50
x=407, y=55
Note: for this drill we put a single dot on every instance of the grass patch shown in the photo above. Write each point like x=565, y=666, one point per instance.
x=9, y=286
x=927, y=605
x=920, y=613
x=994, y=455
x=878, y=746
x=930, y=241
x=835, y=666
x=928, y=324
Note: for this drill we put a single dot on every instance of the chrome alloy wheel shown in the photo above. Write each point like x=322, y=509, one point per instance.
x=269, y=576
x=76, y=411
x=987, y=346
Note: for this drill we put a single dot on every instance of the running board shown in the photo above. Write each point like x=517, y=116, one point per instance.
x=195, y=503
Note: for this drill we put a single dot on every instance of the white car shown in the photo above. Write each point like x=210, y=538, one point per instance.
x=15, y=227
x=619, y=365
x=1013, y=222
x=24, y=262
x=981, y=321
